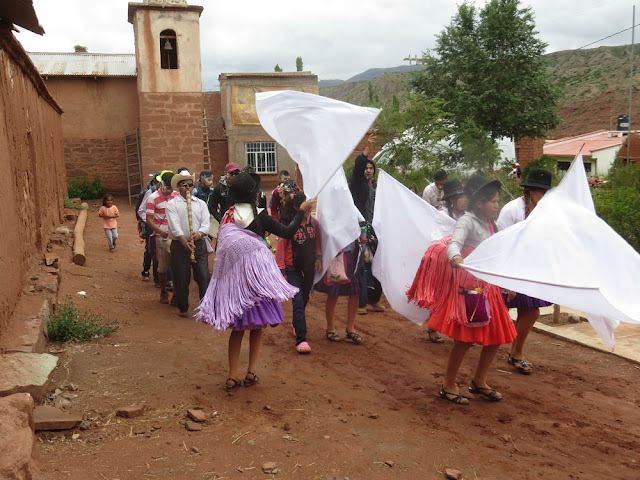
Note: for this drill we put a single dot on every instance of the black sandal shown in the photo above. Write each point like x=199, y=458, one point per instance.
x=333, y=336
x=456, y=398
x=234, y=384
x=488, y=392
x=437, y=339
x=354, y=337
x=522, y=366
x=248, y=382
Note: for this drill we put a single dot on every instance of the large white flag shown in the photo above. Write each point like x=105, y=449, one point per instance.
x=339, y=219
x=318, y=132
x=565, y=254
x=405, y=226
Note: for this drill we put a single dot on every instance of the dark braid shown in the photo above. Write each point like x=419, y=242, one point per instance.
x=256, y=218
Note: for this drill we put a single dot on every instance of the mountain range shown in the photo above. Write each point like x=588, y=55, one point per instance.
x=594, y=85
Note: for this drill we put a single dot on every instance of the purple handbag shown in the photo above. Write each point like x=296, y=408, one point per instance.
x=477, y=307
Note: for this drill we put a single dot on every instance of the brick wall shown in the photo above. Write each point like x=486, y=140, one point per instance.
x=635, y=148
x=32, y=160
x=171, y=131
x=91, y=157
x=529, y=149
x=218, y=146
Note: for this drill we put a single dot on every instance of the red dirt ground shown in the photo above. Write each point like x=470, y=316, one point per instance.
x=341, y=412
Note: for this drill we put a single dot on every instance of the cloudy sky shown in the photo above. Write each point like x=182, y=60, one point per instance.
x=336, y=38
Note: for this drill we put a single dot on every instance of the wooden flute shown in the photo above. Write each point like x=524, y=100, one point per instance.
x=193, y=253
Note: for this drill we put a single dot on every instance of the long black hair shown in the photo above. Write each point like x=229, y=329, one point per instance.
x=291, y=206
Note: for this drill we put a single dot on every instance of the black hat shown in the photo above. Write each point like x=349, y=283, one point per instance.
x=452, y=188
x=244, y=188
x=538, y=178
x=477, y=184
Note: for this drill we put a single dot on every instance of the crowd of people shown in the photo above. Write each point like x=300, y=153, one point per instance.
x=182, y=222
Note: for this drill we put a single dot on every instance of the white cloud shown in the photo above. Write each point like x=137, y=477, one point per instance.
x=335, y=38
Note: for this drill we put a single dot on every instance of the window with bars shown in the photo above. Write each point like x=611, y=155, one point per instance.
x=262, y=156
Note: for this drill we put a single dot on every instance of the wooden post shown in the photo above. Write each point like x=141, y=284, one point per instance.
x=78, y=232
x=556, y=314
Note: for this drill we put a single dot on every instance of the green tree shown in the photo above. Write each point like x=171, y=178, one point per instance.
x=370, y=88
x=277, y=68
x=488, y=68
x=299, y=64
x=80, y=48
x=479, y=151
x=412, y=136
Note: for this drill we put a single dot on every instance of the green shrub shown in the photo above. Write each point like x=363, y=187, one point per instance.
x=68, y=324
x=546, y=162
x=85, y=188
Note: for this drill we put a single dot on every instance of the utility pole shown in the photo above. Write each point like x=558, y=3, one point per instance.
x=633, y=39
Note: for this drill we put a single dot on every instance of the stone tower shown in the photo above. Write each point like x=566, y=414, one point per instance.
x=167, y=43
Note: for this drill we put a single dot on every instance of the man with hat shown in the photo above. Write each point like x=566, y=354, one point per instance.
x=536, y=185
x=187, y=240
x=219, y=202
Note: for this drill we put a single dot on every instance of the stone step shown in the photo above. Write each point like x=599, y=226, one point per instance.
x=16, y=437
x=26, y=372
x=27, y=329
x=50, y=418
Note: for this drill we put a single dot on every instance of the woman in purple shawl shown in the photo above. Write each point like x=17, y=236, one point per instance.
x=247, y=287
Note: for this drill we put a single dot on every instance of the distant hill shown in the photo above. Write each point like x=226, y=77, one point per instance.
x=369, y=74
x=594, y=82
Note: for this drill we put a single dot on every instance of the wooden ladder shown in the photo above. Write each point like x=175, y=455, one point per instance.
x=205, y=142
x=134, y=166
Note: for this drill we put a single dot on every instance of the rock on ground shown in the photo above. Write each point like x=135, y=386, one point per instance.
x=196, y=415
x=453, y=474
x=50, y=418
x=16, y=437
x=26, y=372
x=132, y=411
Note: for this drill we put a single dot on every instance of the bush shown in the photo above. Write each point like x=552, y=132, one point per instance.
x=67, y=324
x=546, y=162
x=85, y=188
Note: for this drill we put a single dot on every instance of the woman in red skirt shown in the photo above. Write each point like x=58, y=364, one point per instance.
x=463, y=307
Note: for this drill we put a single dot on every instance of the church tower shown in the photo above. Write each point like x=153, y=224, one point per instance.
x=169, y=71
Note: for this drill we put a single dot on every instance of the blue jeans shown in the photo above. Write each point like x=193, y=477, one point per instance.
x=303, y=281
x=112, y=236
x=370, y=288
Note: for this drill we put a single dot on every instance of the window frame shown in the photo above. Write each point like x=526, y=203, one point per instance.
x=266, y=165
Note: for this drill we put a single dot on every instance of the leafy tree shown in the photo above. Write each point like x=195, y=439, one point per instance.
x=299, y=64
x=370, y=88
x=80, y=48
x=277, y=68
x=395, y=103
x=488, y=68
x=412, y=136
x=479, y=151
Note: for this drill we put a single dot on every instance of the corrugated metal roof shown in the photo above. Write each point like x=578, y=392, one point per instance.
x=85, y=64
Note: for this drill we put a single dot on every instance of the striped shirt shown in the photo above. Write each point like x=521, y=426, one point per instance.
x=156, y=206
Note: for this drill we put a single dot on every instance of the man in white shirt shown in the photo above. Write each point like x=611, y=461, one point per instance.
x=184, y=243
x=433, y=192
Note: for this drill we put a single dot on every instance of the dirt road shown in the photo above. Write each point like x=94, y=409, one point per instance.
x=345, y=411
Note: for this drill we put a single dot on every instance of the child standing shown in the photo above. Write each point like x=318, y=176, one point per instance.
x=109, y=212
x=300, y=258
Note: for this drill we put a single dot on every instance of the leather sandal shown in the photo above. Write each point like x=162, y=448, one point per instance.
x=333, y=336
x=231, y=384
x=456, y=398
x=487, y=392
x=249, y=382
x=354, y=337
x=522, y=366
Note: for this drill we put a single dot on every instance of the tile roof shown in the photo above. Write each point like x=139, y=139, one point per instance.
x=587, y=143
x=85, y=64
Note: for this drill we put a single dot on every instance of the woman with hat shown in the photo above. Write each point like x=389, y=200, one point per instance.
x=466, y=309
x=536, y=185
x=247, y=287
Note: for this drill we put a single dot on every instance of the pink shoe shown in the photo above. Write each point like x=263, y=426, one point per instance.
x=303, y=347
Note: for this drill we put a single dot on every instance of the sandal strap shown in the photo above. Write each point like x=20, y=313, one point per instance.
x=452, y=397
x=524, y=363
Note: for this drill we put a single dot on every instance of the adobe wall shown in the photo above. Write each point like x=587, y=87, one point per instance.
x=97, y=113
x=31, y=158
x=171, y=131
x=529, y=149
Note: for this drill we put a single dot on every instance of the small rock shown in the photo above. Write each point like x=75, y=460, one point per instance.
x=139, y=431
x=327, y=437
x=275, y=470
x=196, y=415
x=50, y=259
x=251, y=442
x=287, y=427
x=156, y=426
x=198, y=387
x=192, y=426
x=390, y=463
x=75, y=436
x=382, y=390
x=453, y=474
x=195, y=449
x=63, y=230
x=374, y=416
x=267, y=408
x=72, y=387
x=61, y=403
x=269, y=467
x=50, y=418
x=132, y=411
x=573, y=318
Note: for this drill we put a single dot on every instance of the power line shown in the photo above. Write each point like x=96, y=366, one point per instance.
x=612, y=35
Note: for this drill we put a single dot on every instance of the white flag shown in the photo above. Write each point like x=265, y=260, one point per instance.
x=339, y=219
x=405, y=226
x=318, y=132
x=565, y=254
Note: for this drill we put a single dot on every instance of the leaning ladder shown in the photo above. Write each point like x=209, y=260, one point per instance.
x=134, y=167
x=205, y=142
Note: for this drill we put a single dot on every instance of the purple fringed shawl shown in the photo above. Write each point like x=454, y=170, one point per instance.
x=244, y=273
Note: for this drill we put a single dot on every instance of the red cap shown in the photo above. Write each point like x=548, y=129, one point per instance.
x=231, y=167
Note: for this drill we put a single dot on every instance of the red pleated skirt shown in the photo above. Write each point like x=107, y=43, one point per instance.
x=436, y=286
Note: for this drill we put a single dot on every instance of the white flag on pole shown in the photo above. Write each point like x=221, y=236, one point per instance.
x=405, y=226
x=318, y=132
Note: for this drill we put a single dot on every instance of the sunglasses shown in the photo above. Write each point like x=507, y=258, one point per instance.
x=234, y=173
x=186, y=185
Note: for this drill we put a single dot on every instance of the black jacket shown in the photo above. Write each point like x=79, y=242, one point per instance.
x=219, y=201
x=361, y=191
